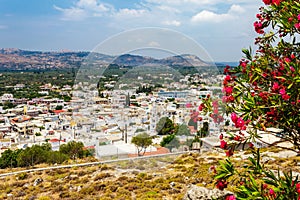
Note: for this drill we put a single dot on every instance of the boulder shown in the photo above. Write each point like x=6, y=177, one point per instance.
x=37, y=181
x=201, y=193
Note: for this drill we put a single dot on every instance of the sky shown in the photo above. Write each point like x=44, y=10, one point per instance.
x=221, y=27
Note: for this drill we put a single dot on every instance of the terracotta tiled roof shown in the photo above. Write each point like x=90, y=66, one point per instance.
x=160, y=150
x=55, y=140
x=58, y=111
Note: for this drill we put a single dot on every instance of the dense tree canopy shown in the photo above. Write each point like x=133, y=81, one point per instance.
x=182, y=129
x=165, y=126
x=170, y=141
x=73, y=149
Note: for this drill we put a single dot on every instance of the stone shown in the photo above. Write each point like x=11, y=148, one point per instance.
x=78, y=188
x=9, y=195
x=265, y=160
x=21, y=193
x=32, y=198
x=73, y=176
x=37, y=181
x=172, y=184
x=201, y=193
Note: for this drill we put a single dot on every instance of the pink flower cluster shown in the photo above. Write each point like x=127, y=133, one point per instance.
x=281, y=90
x=238, y=121
x=221, y=184
x=258, y=26
x=269, y=2
x=228, y=87
x=284, y=95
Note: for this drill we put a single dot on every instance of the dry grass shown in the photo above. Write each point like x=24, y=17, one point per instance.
x=161, y=178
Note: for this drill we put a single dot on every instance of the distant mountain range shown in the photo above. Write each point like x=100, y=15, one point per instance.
x=17, y=59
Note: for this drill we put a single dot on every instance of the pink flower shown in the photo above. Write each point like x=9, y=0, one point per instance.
x=244, y=64
x=240, y=123
x=265, y=75
x=227, y=78
x=286, y=97
x=276, y=2
x=293, y=56
x=271, y=192
x=258, y=26
x=230, y=98
x=275, y=86
x=282, y=92
x=298, y=186
x=226, y=70
x=297, y=25
x=223, y=144
x=212, y=169
x=292, y=69
x=221, y=184
x=267, y=2
x=228, y=90
x=221, y=136
x=200, y=108
x=258, y=16
x=229, y=153
x=231, y=197
x=287, y=60
x=237, y=138
x=298, y=17
x=234, y=117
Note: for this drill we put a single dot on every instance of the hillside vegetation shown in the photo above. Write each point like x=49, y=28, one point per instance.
x=149, y=178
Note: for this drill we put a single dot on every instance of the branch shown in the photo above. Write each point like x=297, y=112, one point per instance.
x=276, y=143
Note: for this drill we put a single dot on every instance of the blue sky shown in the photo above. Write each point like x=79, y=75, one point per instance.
x=222, y=27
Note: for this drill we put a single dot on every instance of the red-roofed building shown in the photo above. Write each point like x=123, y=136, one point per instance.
x=58, y=111
x=55, y=143
x=160, y=150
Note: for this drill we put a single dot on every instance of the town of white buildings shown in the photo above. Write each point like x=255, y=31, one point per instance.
x=105, y=124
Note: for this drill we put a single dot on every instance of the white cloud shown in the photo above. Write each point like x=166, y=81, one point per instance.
x=130, y=12
x=180, y=2
x=72, y=13
x=171, y=23
x=209, y=16
x=83, y=9
x=168, y=9
x=236, y=9
x=196, y=3
x=92, y=5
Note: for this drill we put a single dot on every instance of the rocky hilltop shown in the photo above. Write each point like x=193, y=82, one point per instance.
x=17, y=59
